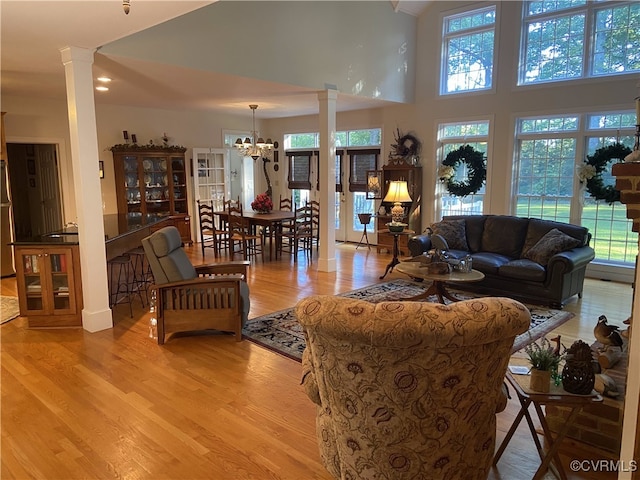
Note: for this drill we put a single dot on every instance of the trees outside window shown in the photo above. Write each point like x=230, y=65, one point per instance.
x=469, y=44
x=569, y=39
x=452, y=136
x=548, y=151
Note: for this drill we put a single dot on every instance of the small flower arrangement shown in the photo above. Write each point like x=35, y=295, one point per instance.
x=262, y=203
x=445, y=172
x=585, y=172
x=542, y=356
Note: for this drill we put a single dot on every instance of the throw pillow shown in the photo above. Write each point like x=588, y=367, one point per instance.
x=454, y=232
x=554, y=241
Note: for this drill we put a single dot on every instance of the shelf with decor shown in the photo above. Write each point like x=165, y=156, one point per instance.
x=153, y=180
x=412, y=174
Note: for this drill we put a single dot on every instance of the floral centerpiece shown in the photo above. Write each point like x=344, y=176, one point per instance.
x=262, y=203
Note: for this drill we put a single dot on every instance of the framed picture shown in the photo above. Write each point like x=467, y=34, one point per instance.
x=374, y=184
x=31, y=166
x=101, y=168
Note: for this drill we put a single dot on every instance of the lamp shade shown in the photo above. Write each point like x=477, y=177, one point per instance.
x=398, y=192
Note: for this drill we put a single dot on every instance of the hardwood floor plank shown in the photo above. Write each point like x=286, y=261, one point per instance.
x=114, y=404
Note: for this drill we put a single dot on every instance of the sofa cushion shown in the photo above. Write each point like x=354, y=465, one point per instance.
x=524, y=269
x=551, y=243
x=489, y=262
x=538, y=228
x=504, y=235
x=453, y=231
x=474, y=226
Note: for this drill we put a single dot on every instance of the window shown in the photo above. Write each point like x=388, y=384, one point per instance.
x=548, y=151
x=452, y=136
x=468, y=45
x=557, y=33
x=359, y=162
x=299, y=170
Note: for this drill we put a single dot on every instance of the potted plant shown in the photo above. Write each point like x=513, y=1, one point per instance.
x=544, y=360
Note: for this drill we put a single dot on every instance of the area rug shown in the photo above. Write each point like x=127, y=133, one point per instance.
x=9, y=308
x=281, y=332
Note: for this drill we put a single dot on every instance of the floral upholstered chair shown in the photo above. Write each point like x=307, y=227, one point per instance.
x=407, y=390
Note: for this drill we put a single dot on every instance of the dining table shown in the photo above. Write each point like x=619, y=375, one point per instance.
x=272, y=221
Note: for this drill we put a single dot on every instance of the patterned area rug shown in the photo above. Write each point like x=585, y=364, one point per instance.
x=9, y=308
x=281, y=332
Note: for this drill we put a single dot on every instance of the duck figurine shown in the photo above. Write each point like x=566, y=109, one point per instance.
x=606, y=334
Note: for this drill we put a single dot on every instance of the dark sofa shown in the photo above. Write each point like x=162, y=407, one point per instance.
x=533, y=260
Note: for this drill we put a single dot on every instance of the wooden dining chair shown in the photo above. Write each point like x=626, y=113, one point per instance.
x=315, y=221
x=300, y=236
x=211, y=236
x=250, y=244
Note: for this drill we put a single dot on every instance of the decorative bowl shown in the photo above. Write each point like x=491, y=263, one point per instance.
x=396, y=227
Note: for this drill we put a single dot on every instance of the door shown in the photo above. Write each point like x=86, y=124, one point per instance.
x=47, y=167
x=211, y=178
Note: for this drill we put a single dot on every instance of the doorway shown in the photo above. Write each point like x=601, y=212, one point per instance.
x=35, y=189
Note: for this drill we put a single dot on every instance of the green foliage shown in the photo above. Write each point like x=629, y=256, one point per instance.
x=542, y=355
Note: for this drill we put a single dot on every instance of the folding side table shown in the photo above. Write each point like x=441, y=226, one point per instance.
x=556, y=396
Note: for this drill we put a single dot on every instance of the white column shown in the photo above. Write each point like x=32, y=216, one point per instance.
x=327, y=174
x=78, y=62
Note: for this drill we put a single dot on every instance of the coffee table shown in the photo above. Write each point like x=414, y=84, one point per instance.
x=438, y=287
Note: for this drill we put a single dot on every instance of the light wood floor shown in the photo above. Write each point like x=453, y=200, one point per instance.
x=114, y=404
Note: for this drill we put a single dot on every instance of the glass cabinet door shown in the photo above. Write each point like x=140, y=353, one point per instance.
x=132, y=184
x=179, y=183
x=156, y=185
x=61, y=288
x=30, y=262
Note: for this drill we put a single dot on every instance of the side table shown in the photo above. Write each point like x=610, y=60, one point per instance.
x=396, y=251
x=556, y=396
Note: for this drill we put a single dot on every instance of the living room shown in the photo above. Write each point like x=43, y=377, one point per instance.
x=37, y=120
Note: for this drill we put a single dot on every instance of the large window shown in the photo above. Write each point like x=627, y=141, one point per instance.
x=568, y=39
x=548, y=151
x=452, y=136
x=468, y=51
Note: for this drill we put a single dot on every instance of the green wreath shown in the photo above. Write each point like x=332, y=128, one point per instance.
x=600, y=160
x=475, y=165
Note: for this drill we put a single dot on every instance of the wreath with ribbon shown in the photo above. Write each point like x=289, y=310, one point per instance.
x=595, y=165
x=477, y=171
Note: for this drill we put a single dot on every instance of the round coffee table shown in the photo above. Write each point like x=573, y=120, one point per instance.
x=438, y=287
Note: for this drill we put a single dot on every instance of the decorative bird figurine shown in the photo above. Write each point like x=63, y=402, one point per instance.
x=606, y=334
x=556, y=349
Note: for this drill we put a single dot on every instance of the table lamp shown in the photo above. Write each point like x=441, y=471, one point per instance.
x=397, y=194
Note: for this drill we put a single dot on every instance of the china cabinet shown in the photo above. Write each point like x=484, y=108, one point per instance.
x=413, y=176
x=49, y=285
x=153, y=180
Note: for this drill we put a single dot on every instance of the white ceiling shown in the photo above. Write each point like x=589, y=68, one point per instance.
x=33, y=32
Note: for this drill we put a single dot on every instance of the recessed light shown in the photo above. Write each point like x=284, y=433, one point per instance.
x=104, y=79
x=102, y=89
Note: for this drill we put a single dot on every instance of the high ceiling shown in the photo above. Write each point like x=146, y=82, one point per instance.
x=33, y=32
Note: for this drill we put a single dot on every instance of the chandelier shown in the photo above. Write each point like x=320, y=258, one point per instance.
x=251, y=147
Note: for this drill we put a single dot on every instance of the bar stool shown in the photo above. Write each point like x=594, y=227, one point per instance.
x=141, y=273
x=119, y=273
x=365, y=219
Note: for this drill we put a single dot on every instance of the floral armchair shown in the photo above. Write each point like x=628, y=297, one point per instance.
x=407, y=390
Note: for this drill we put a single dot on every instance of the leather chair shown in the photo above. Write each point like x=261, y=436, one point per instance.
x=192, y=298
x=407, y=390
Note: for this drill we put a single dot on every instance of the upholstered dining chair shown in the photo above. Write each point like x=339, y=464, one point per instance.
x=407, y=390
x=189, y=298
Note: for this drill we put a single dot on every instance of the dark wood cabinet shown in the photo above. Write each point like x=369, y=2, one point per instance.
x=413, y=176
x=153, y=180
x=49, y=285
